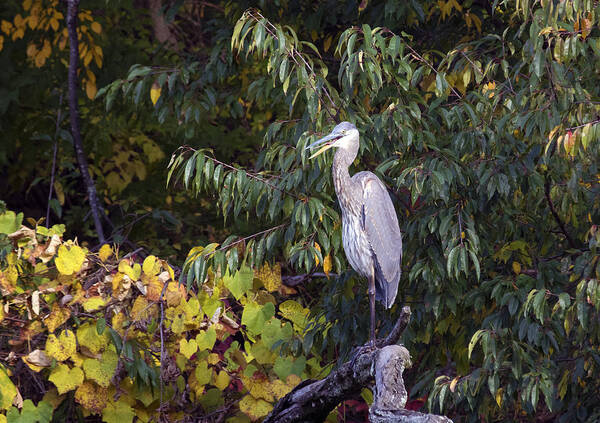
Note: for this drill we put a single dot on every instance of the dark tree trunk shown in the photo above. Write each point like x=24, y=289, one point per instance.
x=96, y=208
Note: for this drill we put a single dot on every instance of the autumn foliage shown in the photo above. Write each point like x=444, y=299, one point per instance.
x=114, y=335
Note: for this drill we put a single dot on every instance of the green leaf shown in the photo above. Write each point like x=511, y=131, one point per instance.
x=241, y=283
x=10, y=222
x=118, y=412
x=206, y=339
x=255, y=315
x=452, y=260
x=285, y=366
x=30, y=413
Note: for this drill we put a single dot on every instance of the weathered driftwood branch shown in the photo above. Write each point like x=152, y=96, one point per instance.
x=312, y=401
x=389, y=393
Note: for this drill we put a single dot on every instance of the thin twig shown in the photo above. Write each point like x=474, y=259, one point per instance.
x=53, y=169
x=421, y=59
x=253, y=176
x=228, y=246
x=582, y=125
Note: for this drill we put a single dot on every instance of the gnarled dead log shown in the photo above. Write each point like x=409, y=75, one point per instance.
x=312, y=401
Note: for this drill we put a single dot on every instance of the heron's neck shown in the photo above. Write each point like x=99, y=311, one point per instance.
x=344, y=186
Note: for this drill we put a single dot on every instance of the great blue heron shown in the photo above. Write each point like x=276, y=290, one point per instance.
x=370, y=231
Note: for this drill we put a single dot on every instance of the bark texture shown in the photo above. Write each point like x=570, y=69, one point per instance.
x=162, y=32
x=390, y=393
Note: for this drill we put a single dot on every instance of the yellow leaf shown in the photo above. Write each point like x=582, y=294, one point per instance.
x=151, y=266
x=90, y=88
x=586, y=26
x=8, y=391
x=27, y=4
x=105, y=252
x=93, y=303
x=222, y=380
x=54, y=24
x=213, y=358
x=101, y=370
x=188, y=348
x=453, y=384
x=516, y=267
x=553, y=132
x=88, y=337
x=133, y=272
x=96, y=27
x=91, y=396
x=6, y=27
x=33, y=21
x=69, y=260
x=318, y=248
x=254, y=408
x=66, y=379
x=293, y=380
x=155, y=92
x=280, y=388
x=62, y=347
x=294, y=312
x=142, y=309
x=269, y=276
x=327, y=265
x=499, y=396
x=57, y=317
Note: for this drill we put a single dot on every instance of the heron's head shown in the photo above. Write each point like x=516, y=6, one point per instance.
x=344, y=135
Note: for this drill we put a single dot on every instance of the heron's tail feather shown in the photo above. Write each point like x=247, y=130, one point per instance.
x=386, y=290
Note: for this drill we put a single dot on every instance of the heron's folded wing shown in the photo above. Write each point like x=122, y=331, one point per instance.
x=381, y=226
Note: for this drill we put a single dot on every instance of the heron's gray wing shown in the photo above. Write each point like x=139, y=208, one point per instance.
x=380, y=223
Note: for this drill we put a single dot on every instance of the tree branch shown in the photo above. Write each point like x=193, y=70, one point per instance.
x=296, y=280
x=312, y=401
x=560, y=223
x=96, y=208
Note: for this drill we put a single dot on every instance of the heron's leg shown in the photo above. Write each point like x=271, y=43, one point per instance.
x=372, y=304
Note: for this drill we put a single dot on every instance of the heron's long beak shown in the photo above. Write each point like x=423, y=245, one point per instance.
x=328, y=140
